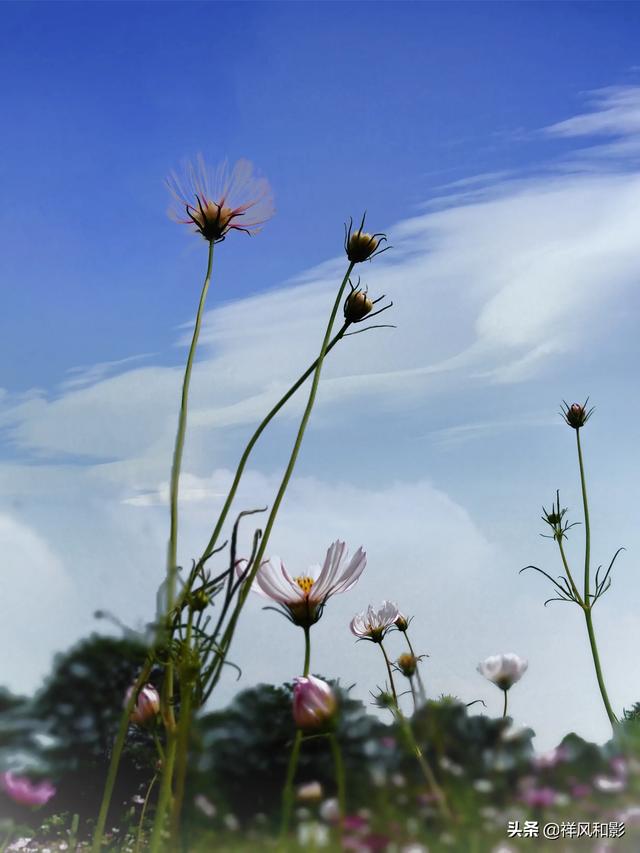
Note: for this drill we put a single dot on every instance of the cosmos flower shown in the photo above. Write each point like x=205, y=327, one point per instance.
x=360, y=245
x=373, y=623
x=218, y=201
x=302, y=597
x=503, y=670
x=147, y=704
x=24, y=792
x=314, y=703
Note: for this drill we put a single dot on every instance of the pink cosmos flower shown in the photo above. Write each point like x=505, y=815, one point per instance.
x=303, y=597
x=314, y=703
x=218, y=201
x=147, y=704
x=27, y=793
x=373, y=623
x=539, y=798
x=503, y=670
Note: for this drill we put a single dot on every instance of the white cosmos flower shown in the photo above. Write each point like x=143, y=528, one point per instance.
x=373, y=623
x=303, y=597
x=503, y=670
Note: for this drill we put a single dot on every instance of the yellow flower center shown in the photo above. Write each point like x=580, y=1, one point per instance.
x=305, y=583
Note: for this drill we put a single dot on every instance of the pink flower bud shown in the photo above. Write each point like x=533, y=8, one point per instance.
x=147, y=704
x=314, y=703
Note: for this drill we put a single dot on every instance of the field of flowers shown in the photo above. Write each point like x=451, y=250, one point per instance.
x=118, y=750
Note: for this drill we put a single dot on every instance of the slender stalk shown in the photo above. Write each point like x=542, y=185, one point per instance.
x=390, y=671
x=182, y=745
x=254, y=438
x=164, y=796
x=143, y=813
x=565, y=563
x=423, y=692
x=596, y=662
x=587, y=603
x=287, y=791
x=244, y=591
x=172, y=568
x=338, y=766
x=427, y=772
x=587, y=526
x=116, y=755
x=307, y=650
x=504, y=708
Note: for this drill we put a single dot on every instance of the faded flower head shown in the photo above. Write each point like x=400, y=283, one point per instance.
x=360, y=245
x=576, y=414
x=218, y=201
x=314, y=703
x=23, y=791
x=147, y=704
x=373, y=623
x=503, y=670
x=302, y=597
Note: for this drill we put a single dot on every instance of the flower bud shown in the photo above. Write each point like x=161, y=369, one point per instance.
x=147, y=704
x=401, y=623
x=360, y=245
x=576, y=414
x=199, y=600
x=356, y=306
x=407, y=664
x=314, y=703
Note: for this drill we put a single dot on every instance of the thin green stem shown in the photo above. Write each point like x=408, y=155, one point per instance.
x=430, y=779
x=421, y=688
x=254, y=438
x=596, y=662
x=172, y=550
x=287, y=791
x=164, y=797
x=390, y=671
x=307, y=650
x=565, y=563
x=504, y=707
x=143, y=813
x=587, y=526
x=183, y=730
x=587, y=603
x=244, y=591
x=338, y=767
x=116, y=755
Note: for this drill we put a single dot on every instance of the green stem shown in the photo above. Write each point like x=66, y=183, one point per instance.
x=172, y=551
x=596, y=662
x=307, y=650
x=116, y=755
x=390, y=671
x=143, y=813
x=587, y=526
x=587, y=603
x=246, y=587
x=423, y=692
x=504, y=708
x=254, y=438
x=430, y=779
x=164, y=796
x=287, y=791
x=565, y=563
x=338, y=766
x=182, y=747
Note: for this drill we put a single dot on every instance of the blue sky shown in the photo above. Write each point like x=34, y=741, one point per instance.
x=498, y=144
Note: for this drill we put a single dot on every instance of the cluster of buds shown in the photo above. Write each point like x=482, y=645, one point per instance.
x=314, y=704
x=576, y=415
x=360, y=245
